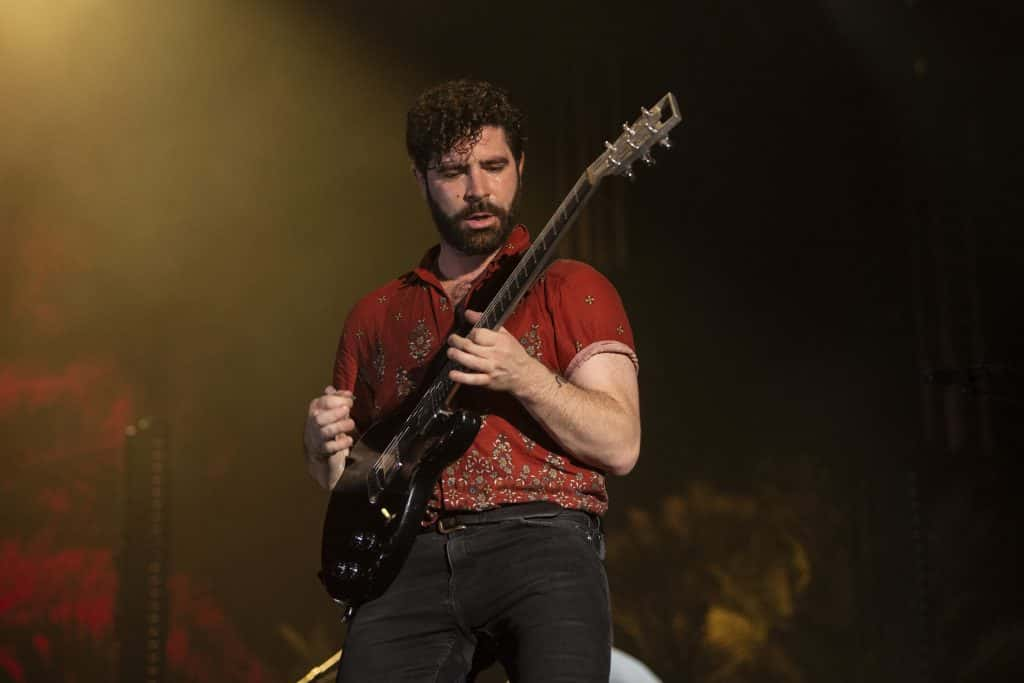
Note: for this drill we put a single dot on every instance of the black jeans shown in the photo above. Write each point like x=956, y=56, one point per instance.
x=531, y=592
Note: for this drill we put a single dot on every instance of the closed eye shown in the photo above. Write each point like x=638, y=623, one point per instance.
x=451, y=171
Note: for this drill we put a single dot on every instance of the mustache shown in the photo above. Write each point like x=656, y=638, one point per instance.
x=482, y=206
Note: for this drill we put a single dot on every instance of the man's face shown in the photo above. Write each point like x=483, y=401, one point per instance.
x=472, y=195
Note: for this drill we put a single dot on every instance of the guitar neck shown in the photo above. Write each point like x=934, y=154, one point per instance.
x=537, y=257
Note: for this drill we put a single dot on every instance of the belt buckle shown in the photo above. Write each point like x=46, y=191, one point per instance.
x=448, y=529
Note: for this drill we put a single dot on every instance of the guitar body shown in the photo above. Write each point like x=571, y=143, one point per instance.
x=364, y=541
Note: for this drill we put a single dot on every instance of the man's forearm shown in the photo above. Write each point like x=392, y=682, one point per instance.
x=591, y=425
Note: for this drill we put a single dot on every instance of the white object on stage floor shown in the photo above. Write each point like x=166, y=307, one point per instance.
x=628, y=669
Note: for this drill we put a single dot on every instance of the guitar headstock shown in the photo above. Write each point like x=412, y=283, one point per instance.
x=650, y=128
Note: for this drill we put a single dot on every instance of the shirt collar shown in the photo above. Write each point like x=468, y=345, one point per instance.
x=518, y=241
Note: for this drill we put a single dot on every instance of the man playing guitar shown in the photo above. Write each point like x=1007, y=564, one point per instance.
x=509, y=561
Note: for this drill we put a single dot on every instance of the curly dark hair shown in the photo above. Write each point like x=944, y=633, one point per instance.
x=448, y=118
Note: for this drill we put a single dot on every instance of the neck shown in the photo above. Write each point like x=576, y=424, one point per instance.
x=455, y=266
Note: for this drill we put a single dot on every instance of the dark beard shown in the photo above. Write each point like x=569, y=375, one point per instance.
x=474, y=242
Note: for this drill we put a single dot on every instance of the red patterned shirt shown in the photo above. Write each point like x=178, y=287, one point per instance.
x=569, y=315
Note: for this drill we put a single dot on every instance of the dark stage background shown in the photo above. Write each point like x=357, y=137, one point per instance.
x=824, y=278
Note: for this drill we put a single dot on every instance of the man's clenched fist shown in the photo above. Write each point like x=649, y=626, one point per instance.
x=328, y=435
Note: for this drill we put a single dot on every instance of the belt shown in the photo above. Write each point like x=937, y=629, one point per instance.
x=448, y=522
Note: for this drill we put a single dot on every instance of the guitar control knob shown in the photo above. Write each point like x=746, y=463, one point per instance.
x=347, y=571
x=361, y=541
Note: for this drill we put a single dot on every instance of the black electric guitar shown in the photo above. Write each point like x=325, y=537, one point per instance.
x=376, y=508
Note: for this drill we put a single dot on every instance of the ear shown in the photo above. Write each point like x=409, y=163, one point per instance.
x=421, y=181
x=522, y=163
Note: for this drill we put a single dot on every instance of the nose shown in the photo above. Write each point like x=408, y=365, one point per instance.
x=478, y=185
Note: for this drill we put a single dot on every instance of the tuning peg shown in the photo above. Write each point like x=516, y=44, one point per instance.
x=647, y=159
x=647, y=114
x=666, y=143
x=629, y=172
x=629, y=130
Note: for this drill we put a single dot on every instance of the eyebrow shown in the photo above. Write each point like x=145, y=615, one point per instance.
x=496, y=160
